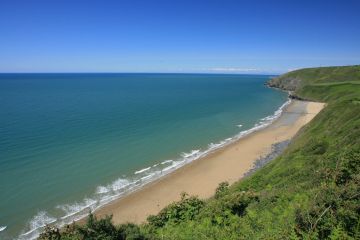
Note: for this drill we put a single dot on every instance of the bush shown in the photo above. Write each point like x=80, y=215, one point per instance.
x=94, y=229
x=186, y=209
x=221, y=190
x=130, y=231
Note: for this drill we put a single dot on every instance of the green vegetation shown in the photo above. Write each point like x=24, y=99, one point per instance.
x=94, y=229
x=309, y=76
x=311, y=191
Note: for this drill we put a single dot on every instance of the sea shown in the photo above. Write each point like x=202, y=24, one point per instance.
x=70, y=143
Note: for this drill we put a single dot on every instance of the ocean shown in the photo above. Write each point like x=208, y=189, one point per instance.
x=70, y=143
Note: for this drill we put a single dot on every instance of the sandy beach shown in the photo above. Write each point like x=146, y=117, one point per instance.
x=202, y=176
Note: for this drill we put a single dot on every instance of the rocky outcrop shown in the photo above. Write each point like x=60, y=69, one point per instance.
x=285, y=82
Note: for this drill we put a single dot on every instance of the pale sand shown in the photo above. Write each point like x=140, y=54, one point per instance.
x=202, y=176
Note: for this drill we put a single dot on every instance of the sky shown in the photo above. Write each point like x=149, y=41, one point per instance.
x=177, y=36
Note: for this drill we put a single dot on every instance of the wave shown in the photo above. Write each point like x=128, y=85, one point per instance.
x=39, y=221
x=166, y=161
x=193, y=153
x=76, y=208
x=126, y=185
x=2, y=228
x=240, y=125
x=143, y=170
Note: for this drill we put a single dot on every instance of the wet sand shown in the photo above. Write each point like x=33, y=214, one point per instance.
x=202, y=176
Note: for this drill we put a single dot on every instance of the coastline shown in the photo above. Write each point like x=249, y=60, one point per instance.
x=124, y=185
x=201, y=177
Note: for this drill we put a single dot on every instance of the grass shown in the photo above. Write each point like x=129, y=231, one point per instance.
x=309, y=76
x=311, y=191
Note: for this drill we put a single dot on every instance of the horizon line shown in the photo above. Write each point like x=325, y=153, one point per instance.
x=211, y=73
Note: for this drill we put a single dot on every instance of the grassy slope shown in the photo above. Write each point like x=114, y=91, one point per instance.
x=310, y=192
x=309, y=76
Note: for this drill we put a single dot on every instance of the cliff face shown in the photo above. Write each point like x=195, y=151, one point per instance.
x=285, y=82
x=295, y=80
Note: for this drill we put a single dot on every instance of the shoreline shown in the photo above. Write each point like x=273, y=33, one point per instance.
x=122, y=187
x=229, y=163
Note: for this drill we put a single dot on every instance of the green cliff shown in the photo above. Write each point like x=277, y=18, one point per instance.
x=297, y=79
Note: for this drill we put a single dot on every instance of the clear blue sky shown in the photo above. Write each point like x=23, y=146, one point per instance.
x=177, y=36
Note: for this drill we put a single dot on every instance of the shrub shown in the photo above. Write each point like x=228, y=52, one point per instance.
x=94, y=229
x=186, y=209
x=221, y=190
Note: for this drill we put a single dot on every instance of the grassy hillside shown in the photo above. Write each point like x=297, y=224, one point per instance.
x=312, y=191
x=303, y=77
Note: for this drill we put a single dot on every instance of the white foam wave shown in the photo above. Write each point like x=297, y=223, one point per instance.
x=39, y=221
x=123, y=186
x=148, y=176
x=72, y=209
x=120, y=184
x=143, y=170
x=174, y=165
x=2, y=228
x=240, y=125
x=191, y=154
x=167, y=161
x=102, y=189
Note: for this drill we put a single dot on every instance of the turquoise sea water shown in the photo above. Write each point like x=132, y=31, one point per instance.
x=72, y=142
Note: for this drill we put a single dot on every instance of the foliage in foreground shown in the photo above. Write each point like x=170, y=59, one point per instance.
x=312, y=191
x=94, y=229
